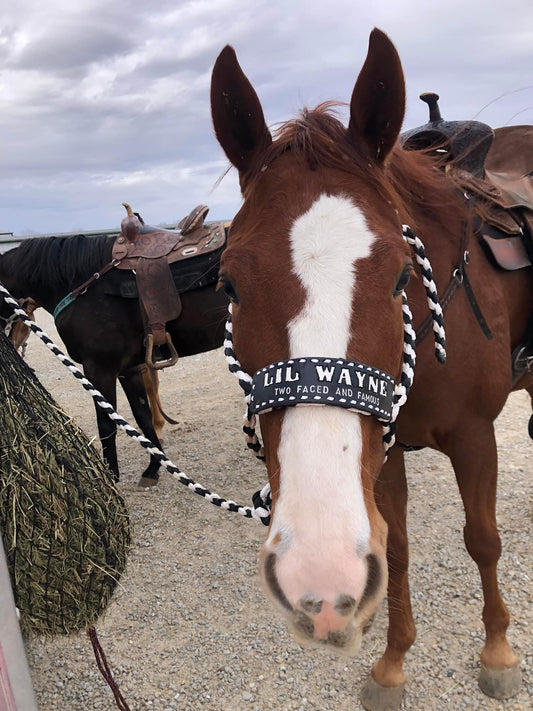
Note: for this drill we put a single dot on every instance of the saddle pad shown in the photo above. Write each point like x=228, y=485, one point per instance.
x=192, y=273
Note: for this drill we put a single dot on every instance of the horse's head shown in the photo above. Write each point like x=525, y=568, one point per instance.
x=315, y=267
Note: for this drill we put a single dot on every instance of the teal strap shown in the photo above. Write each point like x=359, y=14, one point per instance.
x=69, y=298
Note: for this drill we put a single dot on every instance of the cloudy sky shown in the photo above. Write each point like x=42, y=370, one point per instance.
x=105, y=101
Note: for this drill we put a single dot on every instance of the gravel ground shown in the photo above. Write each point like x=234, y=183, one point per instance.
x=189, y=627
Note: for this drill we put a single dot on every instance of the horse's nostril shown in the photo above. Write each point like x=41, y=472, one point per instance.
x=368, y=624
x=374, y=577
x=337, y=639
x=311, y=605
x=304, y=624
x=345, y=605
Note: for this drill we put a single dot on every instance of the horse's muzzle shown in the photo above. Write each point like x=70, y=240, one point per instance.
x=338, y=621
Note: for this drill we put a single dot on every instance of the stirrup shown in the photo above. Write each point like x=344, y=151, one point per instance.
x=163, y=363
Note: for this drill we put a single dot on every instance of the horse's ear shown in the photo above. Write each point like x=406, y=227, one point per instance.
x=378, y=101
x=237, y=113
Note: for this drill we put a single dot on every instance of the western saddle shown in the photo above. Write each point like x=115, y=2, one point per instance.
x=149, y=252
x=495, y=169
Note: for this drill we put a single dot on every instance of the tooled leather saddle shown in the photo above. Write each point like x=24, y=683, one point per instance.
x=149, y=252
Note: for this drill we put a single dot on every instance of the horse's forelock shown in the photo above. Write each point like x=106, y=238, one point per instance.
x=320, y=138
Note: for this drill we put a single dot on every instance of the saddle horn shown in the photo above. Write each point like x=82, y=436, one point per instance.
x=466, y=142
x=131, y=224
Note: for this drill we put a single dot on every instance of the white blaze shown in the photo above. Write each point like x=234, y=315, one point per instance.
x=321, y=496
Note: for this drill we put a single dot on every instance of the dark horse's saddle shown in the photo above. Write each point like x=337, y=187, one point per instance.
x=149, y=252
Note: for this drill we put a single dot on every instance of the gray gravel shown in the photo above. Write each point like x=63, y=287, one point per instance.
x=189, y=627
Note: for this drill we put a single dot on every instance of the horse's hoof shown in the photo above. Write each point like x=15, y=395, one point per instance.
x=375, y=697
x=146, y=482
x=530, y=427
x=500, y=683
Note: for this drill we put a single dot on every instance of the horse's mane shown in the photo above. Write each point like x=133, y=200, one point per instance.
x=59, y=262
x=412, y=180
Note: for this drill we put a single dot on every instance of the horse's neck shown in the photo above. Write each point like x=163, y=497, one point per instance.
x=8, y=275
x=22, y=283
x=445, y=240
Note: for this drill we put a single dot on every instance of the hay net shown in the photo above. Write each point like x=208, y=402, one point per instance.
x=65, y=527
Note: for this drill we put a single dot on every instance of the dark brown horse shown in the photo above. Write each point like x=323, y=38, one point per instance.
x=104, y=331
x=316, y=268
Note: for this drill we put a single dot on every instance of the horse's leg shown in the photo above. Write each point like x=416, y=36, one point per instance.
x=151, y=383
x=474, y=459
x=106, y=382
x=133, y=385
x=384, y=689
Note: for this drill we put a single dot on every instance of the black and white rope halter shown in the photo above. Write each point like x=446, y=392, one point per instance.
x=431, y=292
x=401, y=389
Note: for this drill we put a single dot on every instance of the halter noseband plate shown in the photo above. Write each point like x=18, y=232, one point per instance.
x=323, y=381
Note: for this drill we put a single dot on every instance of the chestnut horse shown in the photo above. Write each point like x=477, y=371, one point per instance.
x=316, y=268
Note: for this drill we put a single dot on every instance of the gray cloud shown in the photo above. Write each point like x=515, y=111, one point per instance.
x=104, y=101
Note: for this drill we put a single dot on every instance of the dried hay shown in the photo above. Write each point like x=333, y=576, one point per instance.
x=66, y=529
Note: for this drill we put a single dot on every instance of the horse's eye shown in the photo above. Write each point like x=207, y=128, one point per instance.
x=403, y=280
x=229, y=288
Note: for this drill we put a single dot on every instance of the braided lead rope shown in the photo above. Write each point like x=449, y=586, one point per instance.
x=431, y=292
x=245, y=381
x=259, y=513
x=11, y=320
x=406, y=377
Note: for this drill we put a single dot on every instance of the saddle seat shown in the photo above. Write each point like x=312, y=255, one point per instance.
x=148, y=251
